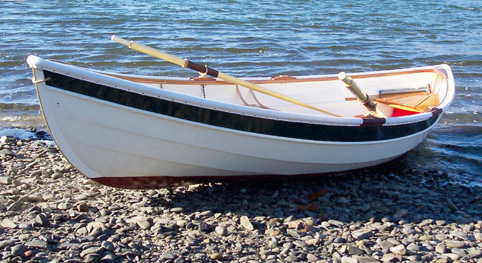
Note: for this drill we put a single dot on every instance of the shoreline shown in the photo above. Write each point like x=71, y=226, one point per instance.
x=390, y=213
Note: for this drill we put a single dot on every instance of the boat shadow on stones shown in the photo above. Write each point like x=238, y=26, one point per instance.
x=392, y=192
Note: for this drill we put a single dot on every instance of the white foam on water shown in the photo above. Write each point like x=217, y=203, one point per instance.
x=22, y=134
x=16, y=133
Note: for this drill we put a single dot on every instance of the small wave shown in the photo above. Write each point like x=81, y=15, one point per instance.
x=22, y=121
x=19, y=107
x=23, y=134
x=466, y=8
x=17, y=133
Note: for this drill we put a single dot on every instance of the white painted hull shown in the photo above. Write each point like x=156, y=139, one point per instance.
x=107, y=140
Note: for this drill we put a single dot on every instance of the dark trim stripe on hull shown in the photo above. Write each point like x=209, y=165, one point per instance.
x=371, y=130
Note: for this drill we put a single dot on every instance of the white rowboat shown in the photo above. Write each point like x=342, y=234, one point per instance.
x=145, y=132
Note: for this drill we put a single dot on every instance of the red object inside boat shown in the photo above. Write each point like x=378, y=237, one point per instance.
x=400, y=112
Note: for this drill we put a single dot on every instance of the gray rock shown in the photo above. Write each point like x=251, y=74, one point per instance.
x=426, y=222
x=130, y=252
x=273, y=243
x=293, y=233
x=92, y=258
x=216, y=256
x=18, y=250
x=108, y=257
x=365, y=248
x=181, y=222
x=79, y=197
x=82, y=231
x=96, y=232
x=426, y=257
x=311, y=258
x=288, y=245
x=5, y=180
x=265, y=251
x=35, y=174
x=69, y=246
x=360, y=235
x=25, y=226
x=407, y=230
x=390, y=258
x=36, y=244
x=441, y=237
x=244, y=221
x=478, y=236
x=440, y=222
x=474, y=252
x=425, y=238
x=221, y=231
x=92, y=251
x=459, y=234
x=336, y=222
x=83, y=207
x=428, y=246
x=15, y=206
x=325, y=224
x=6, y=243
x=104, y=212
x=393, y=241
x=399, y=250
x=365, y=259
x=176, y=209
x=454, y=244
x=285, y=251
x=169, y=255
x=413, y=248
x=440, y=248
x=42, y=219
x=299, y=243
x=204, y=227
x=353, y=250
x=459, y=251
x=451, y=256
x=57, y=175
x=144, y=224
x=6, y=152
x=63, y=206
x=7, y=223
x=107, y=246
x=206, y=213
x=349, y=260
x=386, y=245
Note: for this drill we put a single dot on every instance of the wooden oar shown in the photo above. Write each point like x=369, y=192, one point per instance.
x=212, y=72
x=353, y=87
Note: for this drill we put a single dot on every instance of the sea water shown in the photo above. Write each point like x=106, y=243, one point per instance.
x=259, y=38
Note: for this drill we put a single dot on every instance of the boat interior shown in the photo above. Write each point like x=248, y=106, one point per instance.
x=398, y=93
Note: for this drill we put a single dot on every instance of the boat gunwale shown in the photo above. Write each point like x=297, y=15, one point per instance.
x=261, y=80
x=117, y=82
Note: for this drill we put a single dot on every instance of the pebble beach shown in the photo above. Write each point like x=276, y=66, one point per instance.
x=391, y=213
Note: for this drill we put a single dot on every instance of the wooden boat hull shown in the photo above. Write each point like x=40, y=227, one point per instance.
x=124, y=134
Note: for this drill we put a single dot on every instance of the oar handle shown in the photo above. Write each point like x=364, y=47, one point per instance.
x=150, y=51
x=355, y=89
